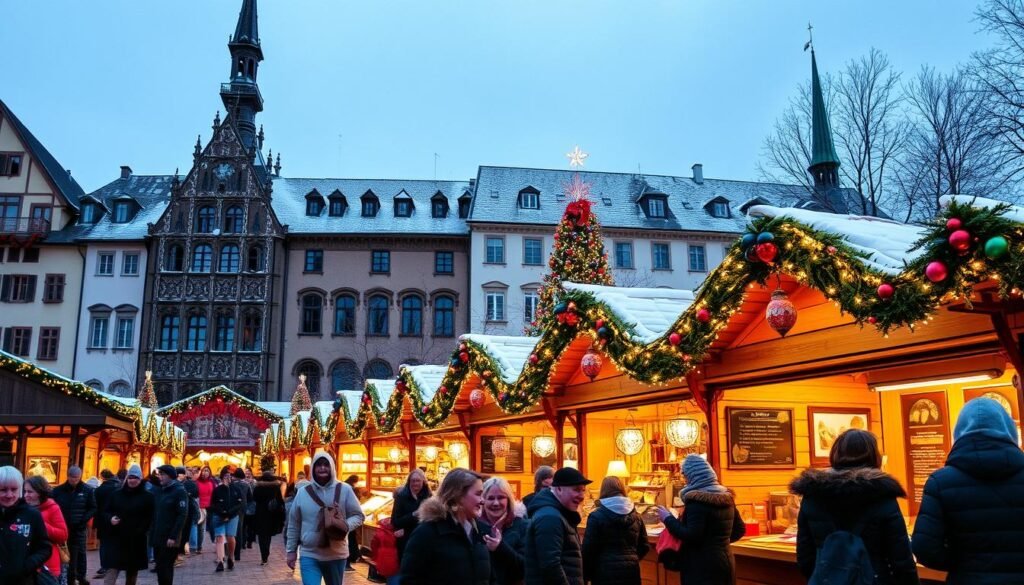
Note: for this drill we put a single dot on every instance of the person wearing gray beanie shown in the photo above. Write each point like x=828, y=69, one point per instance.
x=135, y=471
x=971, y=521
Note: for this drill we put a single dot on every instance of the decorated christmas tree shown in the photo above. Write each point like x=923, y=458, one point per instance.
x=578, y=254
x=147, y=397
x=301, y=400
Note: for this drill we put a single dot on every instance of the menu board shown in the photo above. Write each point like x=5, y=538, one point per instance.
x=925, y=440
x=511, y=463
x=760, y=437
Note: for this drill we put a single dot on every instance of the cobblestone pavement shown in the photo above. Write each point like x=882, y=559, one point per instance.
x=198, y=570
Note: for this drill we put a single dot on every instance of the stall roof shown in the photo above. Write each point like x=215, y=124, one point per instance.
x=651, y=311
x=427, y=378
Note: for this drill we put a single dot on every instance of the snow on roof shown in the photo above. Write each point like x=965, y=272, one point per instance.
x=385, y=388
x=281, y=409
x=885, y=243
x=651, y=311
x=132, y=401
x=352, y=398
x=1015, y=213
x=510, y=353
x=427, y=378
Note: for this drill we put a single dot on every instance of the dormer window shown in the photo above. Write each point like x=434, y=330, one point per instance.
x=439, y=205
x=89, y=214
x=314, y=203
x=370, y=204
x=657, y=206
x=465, y=202
x=529, y=198
x=718, y=207
x=122, y=211
x=403, y=208
x=336, y=204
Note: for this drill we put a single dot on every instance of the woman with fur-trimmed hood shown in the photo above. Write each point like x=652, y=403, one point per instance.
x=855, y=491
x=709, y=523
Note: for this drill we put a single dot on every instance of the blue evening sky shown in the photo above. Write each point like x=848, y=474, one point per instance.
x=375, y=88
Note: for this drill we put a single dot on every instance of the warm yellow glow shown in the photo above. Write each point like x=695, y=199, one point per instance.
x=617, y=468
x=307, y=460
x=457, y=449
x=629, y=440
x=543, y=445
x=978, y=377
x=430, y=453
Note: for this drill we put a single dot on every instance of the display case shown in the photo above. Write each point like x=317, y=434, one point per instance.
x=378, y=505
x=353, y=464
x=652, y=487
x=388, y=475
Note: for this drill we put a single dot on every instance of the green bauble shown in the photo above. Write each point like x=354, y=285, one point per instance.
x=996, y=247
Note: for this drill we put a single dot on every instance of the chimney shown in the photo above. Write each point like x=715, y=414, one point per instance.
x=698, y=173
x=126, y=171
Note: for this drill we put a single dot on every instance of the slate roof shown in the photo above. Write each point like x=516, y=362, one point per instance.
x=151, y=192
x=616, y=195
x=62, y=179
x=289, y=202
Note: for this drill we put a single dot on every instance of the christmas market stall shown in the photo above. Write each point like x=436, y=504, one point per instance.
x=48, y=422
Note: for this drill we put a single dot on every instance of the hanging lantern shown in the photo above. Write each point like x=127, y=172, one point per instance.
x=457, y=449
x=476, y=398
x=543, y=445
x=591, y=364
x=682, y=432
x=781, y=313
x=630, y=440
x=500, y=445
x=430, y=453
x=395, y=454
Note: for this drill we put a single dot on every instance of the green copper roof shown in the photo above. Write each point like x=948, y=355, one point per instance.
x=822, y=149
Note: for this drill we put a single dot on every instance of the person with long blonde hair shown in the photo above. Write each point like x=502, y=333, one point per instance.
x=502, y=511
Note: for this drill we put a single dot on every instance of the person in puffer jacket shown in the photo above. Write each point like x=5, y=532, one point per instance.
x=303, y=540
x=553, y=551
x=615, y=540
x=24, y=546
x=971, y=521
x=39, y=495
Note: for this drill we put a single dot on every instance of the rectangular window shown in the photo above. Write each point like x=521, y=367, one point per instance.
x=495, y=306
x=624, y=254
x=495, y=251
x=529, y=200
x=105, y=264
x=169, y=332
x=121, y=212
x=531, y=299
x=18, y=341
x=533, y=251
x=125, y=332
x=403, y=208
x=53, y=288
x=660, y=257
x=380, y=262
x=98, y=332
x=18, y=288
x=225, y=335
x=698, y=263
x=656, y=206
x=14, y=253
x=314, y=261
x=130, y=264
x=30, y=255
x=49, y=340
x=444, y=262
x=720, y=209
x=10, y=164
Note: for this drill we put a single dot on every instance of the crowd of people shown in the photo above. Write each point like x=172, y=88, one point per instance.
x=473, y=531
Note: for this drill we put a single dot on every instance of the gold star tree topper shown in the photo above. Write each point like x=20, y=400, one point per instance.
x=576, y=157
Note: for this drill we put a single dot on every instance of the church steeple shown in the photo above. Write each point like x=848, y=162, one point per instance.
x=824, y=167
x=241, y=95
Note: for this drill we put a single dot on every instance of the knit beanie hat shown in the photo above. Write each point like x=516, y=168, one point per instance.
x=986, y=417
x=699, y=475
x=135, y=471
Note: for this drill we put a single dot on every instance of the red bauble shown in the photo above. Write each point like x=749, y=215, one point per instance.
x=476, y=398
x=600, y=270
x=936, y=271
x=885, y=291
x=953, y=224
x=591, y=364
x=463, y=357
x=781, y=313
x=599, y=324
x=831, y=250
x=674, y=338
x=571, y=319
x=960, y=240
x=462, y=347
x=425, y=409
x=533, y=358
x=703, y=315
x=872, y=320
x=767, y=252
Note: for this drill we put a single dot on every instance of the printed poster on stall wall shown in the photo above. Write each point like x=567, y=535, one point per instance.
x=925, y=440
x=760, y=438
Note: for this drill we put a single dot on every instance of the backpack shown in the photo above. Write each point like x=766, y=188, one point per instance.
x=330, y=521
x=843, y=559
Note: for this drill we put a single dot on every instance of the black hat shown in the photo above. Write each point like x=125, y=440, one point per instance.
x=179, y=470
x=569, y=476
x=239, y=473
x=167, y=470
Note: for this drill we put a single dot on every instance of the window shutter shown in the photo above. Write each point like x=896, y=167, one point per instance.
x=30, y=296
x=5, y=288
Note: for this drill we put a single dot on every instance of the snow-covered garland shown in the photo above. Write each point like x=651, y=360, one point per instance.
x=817, y=259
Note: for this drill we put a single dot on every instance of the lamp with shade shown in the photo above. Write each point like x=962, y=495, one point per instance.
x=617, y=468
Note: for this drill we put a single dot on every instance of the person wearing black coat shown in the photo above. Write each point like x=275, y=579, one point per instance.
x=408, y=499
x=269, y=519
x=129, y=513
x=615, y=540
x=102, y=493
x=168, y=529
x=226, y=504
x=244, y=490
x=553, y=550
x=77, y=502
x=452, y=544
x=542, y=479
x=24, y=547
x=971, y=521
x=855, y=492
x=502, y=513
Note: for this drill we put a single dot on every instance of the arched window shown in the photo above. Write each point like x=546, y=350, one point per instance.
x=255, y=263
x=233, y=220
x=224, y=334
x=121, y=388
x=377, y=323
x=252, y=332
x=229, y=258
x=444, y=316
x=345, y=315
x=195, y=338
x=345, y=376
x=202, y=258
x=412, y=316
x=206, y=220
x=95, y=385
x=378, y=370
x=312, y=371
x=174, y=258
x=312, y=311
x=164, y=394
x=169, y=325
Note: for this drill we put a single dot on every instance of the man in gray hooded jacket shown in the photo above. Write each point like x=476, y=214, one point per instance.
x=317, y=563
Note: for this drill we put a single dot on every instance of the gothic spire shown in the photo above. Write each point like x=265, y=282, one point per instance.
x=247, y=29
x=824, y=162
x=241, y=95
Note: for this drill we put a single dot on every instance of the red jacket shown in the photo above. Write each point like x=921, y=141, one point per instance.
x=383, y=549
x=56, y=531
x=205, y=492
